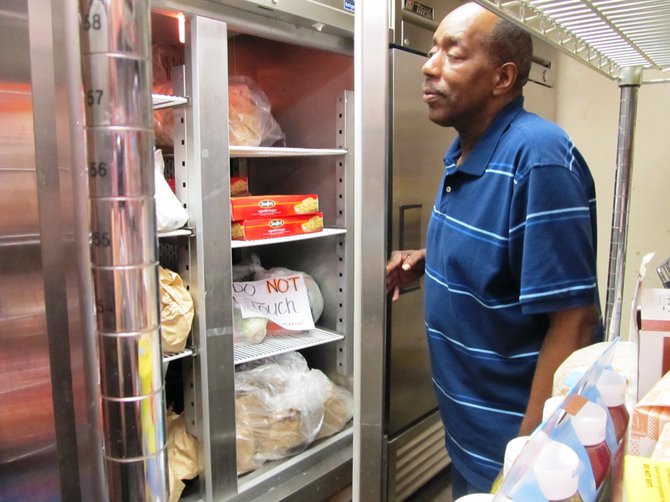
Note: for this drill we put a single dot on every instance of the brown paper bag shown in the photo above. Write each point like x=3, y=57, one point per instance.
x=182, y=450
x=176, y=311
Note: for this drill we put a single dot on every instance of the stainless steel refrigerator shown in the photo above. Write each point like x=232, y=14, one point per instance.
x=413, y=430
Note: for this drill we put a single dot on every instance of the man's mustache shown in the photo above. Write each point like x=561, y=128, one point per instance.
x=429, y=88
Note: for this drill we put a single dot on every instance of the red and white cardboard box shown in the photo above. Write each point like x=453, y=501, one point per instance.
x=654, y=338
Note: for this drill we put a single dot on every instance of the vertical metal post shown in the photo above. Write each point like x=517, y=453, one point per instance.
x=47, y=85
x=116, y=72
x=371, y=66
x=631, y=79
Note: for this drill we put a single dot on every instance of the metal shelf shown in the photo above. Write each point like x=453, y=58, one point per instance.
x=326, y=232
x=176, y=355
x=160, y=101
x=180, y=232
x=278, y=344
x=269, y=151
x=607, y=35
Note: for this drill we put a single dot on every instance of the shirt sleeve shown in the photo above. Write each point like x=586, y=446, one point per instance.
x=553, y=240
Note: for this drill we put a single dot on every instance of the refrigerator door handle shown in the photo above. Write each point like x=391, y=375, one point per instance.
x=409, y=235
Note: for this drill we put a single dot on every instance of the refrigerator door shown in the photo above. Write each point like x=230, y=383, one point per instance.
x=416, y=150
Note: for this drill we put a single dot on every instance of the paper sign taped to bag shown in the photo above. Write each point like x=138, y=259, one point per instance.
x=283, y=300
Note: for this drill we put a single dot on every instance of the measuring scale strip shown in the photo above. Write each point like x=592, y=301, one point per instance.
x=120, y=161
x=126, y=297
x=116, y=224
x=112, y=26
x=116, y=89
x=128, y=416
x=122, y=353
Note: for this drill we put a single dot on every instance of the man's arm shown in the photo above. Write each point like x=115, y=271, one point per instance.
x=568, y=331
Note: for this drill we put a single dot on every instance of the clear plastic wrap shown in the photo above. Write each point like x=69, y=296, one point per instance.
x=163, y=58
x=253, y=330
x=338, y=410
x=281, y=407
x=250, y=120
x=248, y=331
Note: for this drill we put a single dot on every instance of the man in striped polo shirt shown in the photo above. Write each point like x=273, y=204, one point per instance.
x=510, y=258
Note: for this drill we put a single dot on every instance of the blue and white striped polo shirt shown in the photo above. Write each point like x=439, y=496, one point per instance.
x=512, y=237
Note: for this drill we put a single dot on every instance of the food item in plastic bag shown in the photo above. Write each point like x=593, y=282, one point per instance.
x=164, y=57
x=163, y=118
x=239, y=186
x=282, y=402
x=338, y=410
x=244, y=441
x=248, y=331
x=250, y=121
x=170, y=214
x=176, y=311
x=182, y=450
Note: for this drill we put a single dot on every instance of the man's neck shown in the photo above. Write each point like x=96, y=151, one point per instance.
x=475, y=128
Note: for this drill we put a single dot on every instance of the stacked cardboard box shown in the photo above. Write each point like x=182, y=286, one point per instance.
x=268, y=216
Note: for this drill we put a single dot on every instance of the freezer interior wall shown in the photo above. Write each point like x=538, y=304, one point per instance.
x=303, y=85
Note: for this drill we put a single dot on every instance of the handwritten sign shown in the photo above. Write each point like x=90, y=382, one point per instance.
x=282, y=300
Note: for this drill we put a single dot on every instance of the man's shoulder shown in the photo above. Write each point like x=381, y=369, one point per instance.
x=536, y=129
x=535, y=141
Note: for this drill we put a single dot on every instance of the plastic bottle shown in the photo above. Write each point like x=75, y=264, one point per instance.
x=590, y=424
x=483, y=497
x=512, y=451
x=476, y=497
x=612, y=388
x=557, y=474
x=550, y=405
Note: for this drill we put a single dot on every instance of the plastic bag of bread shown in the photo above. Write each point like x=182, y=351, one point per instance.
x=250, y=121
x=176, y=311
x=182, y=450
x=281, y=402
x=244, y=441
x=163, y=118
x=163, y=58
x=338, y=410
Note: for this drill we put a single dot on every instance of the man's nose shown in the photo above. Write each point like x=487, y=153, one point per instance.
x=430, y=66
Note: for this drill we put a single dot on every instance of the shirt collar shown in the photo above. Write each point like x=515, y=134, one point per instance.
x=480, y=156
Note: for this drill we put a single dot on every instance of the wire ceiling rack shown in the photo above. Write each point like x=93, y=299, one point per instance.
x=607, y=35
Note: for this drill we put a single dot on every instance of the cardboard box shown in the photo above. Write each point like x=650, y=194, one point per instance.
x=267, y=228
x=270, y=206
x=239, y=186
x=649, y=417
x=654, y=338
x=662, y=448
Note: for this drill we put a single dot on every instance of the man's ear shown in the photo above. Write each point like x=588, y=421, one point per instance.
x=506, y=79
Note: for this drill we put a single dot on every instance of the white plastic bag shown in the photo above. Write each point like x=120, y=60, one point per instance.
x=282, y=402
x=250, y=121
x=170, y=214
